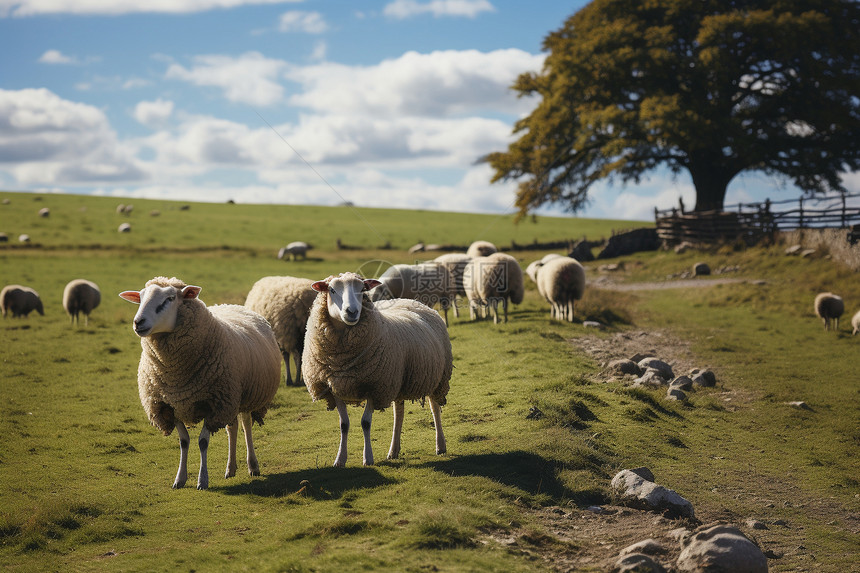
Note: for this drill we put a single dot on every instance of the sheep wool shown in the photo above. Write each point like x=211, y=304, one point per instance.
x=829, y=307
x=456, y=265
x=429, y=283
x=286, y=303
x=491, y=280
x=81, y=296
x=20, y=301
x=561, y=281
x=481, y=249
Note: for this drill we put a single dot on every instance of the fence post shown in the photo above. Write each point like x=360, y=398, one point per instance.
x=800, y=221
x=844, y=214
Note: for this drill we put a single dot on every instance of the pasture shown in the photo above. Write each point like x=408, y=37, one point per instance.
x=85, y=480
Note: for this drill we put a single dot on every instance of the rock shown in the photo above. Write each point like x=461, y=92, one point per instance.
x=681, y=383
x=636, y=491
x=644, y=473
x=417, y=248
x=637, y=563
x=651, y=377
x=675, y=394
x=701, y=269
x=800, y=405
x=807, y=253
x=704, y=378
x=648, y=546
x=720, y=548
x=664, y=369
x=684, y=247
x=678, y=534
x=755, y=524
x=793, y=250
x=581, y=251
x=593, y=324
x=534, y=413
x=624, y=366
x=640, y=356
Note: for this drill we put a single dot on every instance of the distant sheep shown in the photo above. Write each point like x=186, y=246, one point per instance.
x=829, y=307
x=124, y=228
x=429, y=283
x=481, y=249
x=358, y=351
x=214, y=364
x=20, y=301
x=855, y=322
x=23, y=238
x=286, y=303
x=81, y=296
x=456, y=264
x=294, y=250
x=44, y=212
x=562, y=282
x=491, y=280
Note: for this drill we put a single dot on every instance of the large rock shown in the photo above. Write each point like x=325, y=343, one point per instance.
x=664, y=369
x=636, y=491
x=720, y=549
x=624, y=366
x=704, y=378
x=637, y=563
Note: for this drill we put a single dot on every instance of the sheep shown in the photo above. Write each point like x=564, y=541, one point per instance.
x=286, y=303
x=829, y=307
x=295, y=250
x=855, y=322
x=426, y=282
x=20, y=301
x=124, y=228
x=493, y=279
x=534, y=267
x=217, y=364
x=379, y=353
x=81, y=296
x=561, y=281
x=456, y=264
x=481, y=249
x=23, y=238
x=44, y=212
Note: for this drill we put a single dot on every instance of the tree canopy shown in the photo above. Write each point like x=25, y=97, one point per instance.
x=714, y=87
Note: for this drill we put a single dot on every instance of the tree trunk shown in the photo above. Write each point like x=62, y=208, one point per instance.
x=711, y=181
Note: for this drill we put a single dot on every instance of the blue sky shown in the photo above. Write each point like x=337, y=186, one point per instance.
x=384, y=104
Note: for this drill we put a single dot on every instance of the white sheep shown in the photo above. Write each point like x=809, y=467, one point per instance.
x=124, y=228
x=429, y=283
x=855, y=323
x=20, y=301
x=295, y=250
x=217, y=364
x=491, y=280
x=378, y=353
x=534, y=267
x=561, y=281
x=81, y=296
x=286, y=303
x=456, y=264
x=829, y=307
x=481, y=249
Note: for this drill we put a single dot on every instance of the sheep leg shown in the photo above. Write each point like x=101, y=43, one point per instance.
x=251, y=454
x=570, y=309
x=455, y=304
x=297, y=358
x=365, y=427
x=441, y=446
x=394, y=451
x=288, y=380
x=232, y=435
x=184, y=441
x=340, y=460
x=505, y=307
x=494, y=306
x=203, y=442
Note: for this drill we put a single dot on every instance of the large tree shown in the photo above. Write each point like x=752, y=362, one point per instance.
x=714, y=87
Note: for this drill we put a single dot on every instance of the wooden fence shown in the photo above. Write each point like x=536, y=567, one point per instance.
x=752, y=221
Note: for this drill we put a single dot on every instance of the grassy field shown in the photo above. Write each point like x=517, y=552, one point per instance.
x=85, y=480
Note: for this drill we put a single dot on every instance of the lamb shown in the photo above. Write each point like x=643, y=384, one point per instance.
x=429, y=283
x=81, y=296
x=456, y=264
x=481, y=249
x=20, y=301
x=359, y=351
x=286, y=303
x=295, y=250
x=217, y=364
x=561, y=281
x=829, y=307
x=493, y=279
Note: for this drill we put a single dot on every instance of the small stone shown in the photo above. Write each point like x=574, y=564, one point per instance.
x=637, y=563
x=721, y=548
x=794, y=249
x=704, y=378
x=755, y=524
x=593, y=324
x=636, y=491
x=701, y=269
x=780, y=522
x=675, y=394
x=648, y=546
x=682, y=383
x=800, y=405
x=655, y=364
x=624, y=366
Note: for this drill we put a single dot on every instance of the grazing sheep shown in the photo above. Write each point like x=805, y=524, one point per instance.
x=124, y=228
x=120, y=209
x=216, y=364
x=295, y=250
x=829, y=307
x=429, y=283
x=44, y=212
x=81, y=296
x=490, y=280
x=359, y=351
x=286, y=303
x=481, y=249
x=23, y=238
x=561, y=281
x=20, y=301
x=456, y=264
x=534, y=267
x=4, y=238
x=855, y=323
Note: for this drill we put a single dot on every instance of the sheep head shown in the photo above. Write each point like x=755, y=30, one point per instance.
x=345, y=295
x=159, y=305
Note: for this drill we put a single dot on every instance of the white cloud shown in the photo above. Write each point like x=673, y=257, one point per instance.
x=401, y=9
x=56, y=57
x=250, y=78
x=21, y=8
x=153, y=113
x=306, y=22
x=319, y=52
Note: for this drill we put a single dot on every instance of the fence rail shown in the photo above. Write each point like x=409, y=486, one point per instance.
x=752, y=221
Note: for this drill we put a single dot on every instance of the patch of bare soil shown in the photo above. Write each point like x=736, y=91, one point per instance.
x=606, y=283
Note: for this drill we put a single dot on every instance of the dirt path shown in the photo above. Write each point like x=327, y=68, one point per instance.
x=606, y=283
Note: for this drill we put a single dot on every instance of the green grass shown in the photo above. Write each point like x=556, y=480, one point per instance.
x=85, y=480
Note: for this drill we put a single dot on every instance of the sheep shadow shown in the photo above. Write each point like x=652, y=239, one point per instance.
x=318, y=484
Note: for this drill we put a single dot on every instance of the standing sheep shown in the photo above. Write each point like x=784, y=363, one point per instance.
x=490, y=280
x=214, y=364
x=855, y=322
x=295, y=250
x=829, y=307
x=481, y=249
x=357, y=351
x=20, y=301
x=286, y=303
x=429, y=283
x=561, y=281
x=81, y=296
x=456, y=264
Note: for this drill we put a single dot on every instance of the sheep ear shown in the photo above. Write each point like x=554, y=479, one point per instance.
x=320, y=286
x=191, y=291
x=131, y=296
x=371, y=284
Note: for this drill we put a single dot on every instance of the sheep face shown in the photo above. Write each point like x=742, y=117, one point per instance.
x=345, y=296
x=158, y=307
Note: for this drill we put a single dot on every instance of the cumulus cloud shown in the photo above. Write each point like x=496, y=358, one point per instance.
x=250, y=78
x=22, y=8
x=306, y=22
x=56, y=57
x=401, y=9
x=153, y=113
